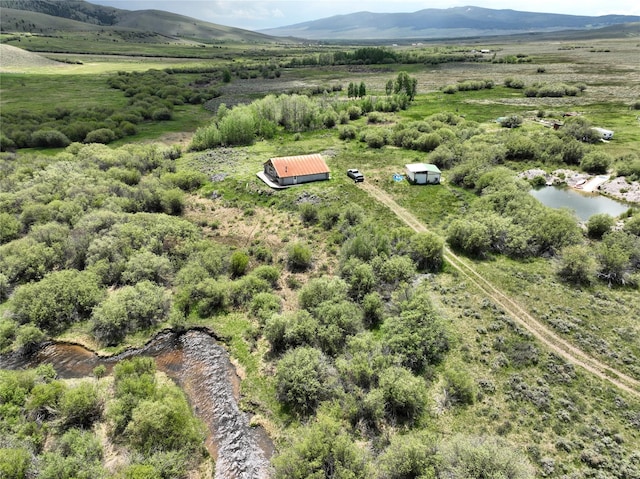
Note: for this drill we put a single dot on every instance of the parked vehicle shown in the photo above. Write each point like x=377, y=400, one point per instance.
x=355, y=175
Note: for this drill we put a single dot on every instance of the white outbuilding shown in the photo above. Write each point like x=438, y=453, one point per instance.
x=423, y=173
x=603, y=132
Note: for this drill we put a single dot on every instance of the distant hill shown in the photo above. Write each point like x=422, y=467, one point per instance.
x=442, y=23
x=48, y=16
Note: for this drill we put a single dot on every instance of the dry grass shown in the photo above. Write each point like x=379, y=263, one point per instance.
x=16, y=60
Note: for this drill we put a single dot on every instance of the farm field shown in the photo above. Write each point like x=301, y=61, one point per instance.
x=358, y=339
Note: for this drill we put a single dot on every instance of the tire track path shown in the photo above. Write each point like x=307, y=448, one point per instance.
x=541, y=332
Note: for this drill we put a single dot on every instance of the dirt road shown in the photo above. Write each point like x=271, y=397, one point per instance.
x=542, y=333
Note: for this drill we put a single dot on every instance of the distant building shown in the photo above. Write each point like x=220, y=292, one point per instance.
x=293, y=170
x=423, y=174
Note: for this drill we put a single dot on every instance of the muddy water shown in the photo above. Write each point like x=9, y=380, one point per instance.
x=201, y=366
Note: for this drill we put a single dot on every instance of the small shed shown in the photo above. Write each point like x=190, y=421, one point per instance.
x=293, y=170
x=423, y=173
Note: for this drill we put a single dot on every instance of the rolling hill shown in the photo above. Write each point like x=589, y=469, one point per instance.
x=50, y=16
x=443, y=23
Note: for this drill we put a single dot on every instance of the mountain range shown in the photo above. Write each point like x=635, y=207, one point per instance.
x=443, y=23
x=47, y=16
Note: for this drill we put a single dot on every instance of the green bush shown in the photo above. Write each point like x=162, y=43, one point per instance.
x=14, y=463
x=394, y=270
x=211, y=297
x=49, y=139
x=146, y=265
x=298, y=257
x=8, y=330
x=44, y=400
x=322, y=448
x=426, y=142
x=520, y=147
x=375, y=139
x=165, y=424
x=161, y=114
x=404, y=394
x=577, y=265
x=264, y=305
x=354, y=112
x=9, y=227
x=76, y=454
x=618, y=255
x=308, y=213
x=270, y=274
x=347, y=133
x=80, y=406
x=596, y=162
x=320, y=290
x=6, y=143
x=29, y=338
x=238, y=127
x=206, y=137
x=372, y=309
x=469, y=237
x=338, y=321
x=290, y=330
x=632, y=226
x=101, y=135
x=459, y=385
x=599, y=224
x=411, y=455
x=172, y=201
x=427, y=251
x=465, y=456
x=417, y=337
x=238, y=263
x=629, y=167
x=60, y=299
x=185, y=180
x=516, y=83
x=304, y=379
x=512, y=121
x=359, y=276
x=128, y=310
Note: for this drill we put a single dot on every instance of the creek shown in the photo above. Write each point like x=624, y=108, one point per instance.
x=198, y=364
x=583, y=204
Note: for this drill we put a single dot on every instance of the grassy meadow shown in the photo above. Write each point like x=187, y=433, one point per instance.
x=224, y=243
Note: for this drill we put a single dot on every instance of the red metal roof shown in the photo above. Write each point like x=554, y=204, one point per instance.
x=287, y=166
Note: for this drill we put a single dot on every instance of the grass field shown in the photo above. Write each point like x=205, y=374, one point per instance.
x=568, y=423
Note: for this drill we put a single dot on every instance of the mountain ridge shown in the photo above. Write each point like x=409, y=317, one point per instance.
x=47, y=16
x=436, y=23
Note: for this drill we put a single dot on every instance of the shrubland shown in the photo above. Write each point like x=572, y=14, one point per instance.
x=363, y=351
x=59, y=428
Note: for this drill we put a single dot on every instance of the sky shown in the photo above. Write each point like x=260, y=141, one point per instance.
x=263, y=14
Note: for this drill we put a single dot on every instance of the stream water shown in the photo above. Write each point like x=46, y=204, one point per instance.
x=201, y=366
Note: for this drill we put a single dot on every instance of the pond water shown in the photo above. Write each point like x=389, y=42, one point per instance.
x=585, y=205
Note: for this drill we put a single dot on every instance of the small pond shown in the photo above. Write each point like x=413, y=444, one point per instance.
x=585, y=205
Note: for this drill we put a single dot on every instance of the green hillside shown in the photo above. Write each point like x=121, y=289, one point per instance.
x=49, y=17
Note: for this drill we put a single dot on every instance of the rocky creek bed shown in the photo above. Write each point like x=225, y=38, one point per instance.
x=201, y=366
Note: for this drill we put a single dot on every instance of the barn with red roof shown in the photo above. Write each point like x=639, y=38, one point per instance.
x=293, y=170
